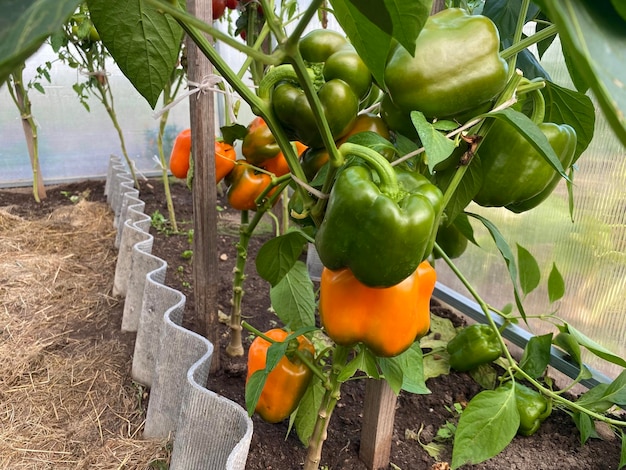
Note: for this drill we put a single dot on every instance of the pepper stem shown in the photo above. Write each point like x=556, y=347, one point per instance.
x=388, y=179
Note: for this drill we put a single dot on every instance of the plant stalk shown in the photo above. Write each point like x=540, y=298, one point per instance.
x=329, y=401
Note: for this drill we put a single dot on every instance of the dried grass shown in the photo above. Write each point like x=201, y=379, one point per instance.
x=66, y=400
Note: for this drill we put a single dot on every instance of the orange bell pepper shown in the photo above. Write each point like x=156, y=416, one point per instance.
x=286, y=383
x=179, y=157
x=225, y=157
x=386, y=320
x=278, y=164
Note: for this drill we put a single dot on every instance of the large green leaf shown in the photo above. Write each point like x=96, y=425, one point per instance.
x=293, y=298
x=144, y=43
x=278, y=255
x=593, y=38
x=25, y=25
x=371, y=27
x=486, y=427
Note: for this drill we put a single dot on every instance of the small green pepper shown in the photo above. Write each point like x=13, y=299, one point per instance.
x=532, y=406
x=472, y=346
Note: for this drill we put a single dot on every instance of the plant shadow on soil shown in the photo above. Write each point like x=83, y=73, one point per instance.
x=555, y=445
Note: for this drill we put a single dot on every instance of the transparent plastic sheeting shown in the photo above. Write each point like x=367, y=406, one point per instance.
x=590, y=251
x=209, y=430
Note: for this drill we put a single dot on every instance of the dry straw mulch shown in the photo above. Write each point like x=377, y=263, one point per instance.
x=66, y=398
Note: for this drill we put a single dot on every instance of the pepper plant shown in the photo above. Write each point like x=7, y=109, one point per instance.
x=375, y=207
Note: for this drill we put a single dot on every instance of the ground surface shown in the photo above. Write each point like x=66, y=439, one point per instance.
x=114, y=431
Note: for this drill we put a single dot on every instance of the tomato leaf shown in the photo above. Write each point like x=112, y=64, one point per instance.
x=278, y=255
x=293, y=298
x=370, y=27
x=486, y=426
x=529, y=273
x=593, y=40
x=144, y=43
x=25, y=25
x=556, y=284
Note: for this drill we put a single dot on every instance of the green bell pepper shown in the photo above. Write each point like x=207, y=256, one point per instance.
x=472, y=346
x=533, y=408
x=451, y=241
x=456, y=66
x=379, y=224
x=515, y=175
x=342, y=80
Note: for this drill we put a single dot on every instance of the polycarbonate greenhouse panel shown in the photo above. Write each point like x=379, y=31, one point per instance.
x=75, y=143
x=589, y=251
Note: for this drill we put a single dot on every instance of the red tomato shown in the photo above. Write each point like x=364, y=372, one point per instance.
x=218, y=8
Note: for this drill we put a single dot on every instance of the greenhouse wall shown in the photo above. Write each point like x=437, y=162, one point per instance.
x=589, y=249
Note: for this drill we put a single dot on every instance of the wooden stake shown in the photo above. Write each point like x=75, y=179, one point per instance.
x=379, y=412
x=202, y=116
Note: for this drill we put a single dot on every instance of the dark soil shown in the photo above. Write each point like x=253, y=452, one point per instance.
x=555, y=445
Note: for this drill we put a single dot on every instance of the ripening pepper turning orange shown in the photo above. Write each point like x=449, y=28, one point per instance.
x=387, y=320
x=259, y=143
x=278, y=164
x=286, y=383
x=246, y=185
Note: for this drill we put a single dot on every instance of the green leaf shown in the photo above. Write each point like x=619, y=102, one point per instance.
x=278, y=255
x=462, y=223
x=564, y=106
x=370, y=28
x=411, y=370
x=620, y=7
x=568, y=343
x=293, y=298
x=364, y=361
x=144, y=43
x=616, y=391
x=469, y=186
x=306, y=415
x=594, y=400
x=536, y=356
x=392, y=373
x=585, y=426
x=507, y=254
x=486, y=427
x=529, y=273
x=25, y=25
x=505, y=14
x=436, y=365
x=372, y=140
x=593, y=39
x=234, y=132
x=529, y=130
x=437, y=146
x=556, y=284
x=595, y=348
x=441, y=331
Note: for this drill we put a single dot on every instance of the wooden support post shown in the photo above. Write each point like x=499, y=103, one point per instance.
x=379, y=412
x=202, y=116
